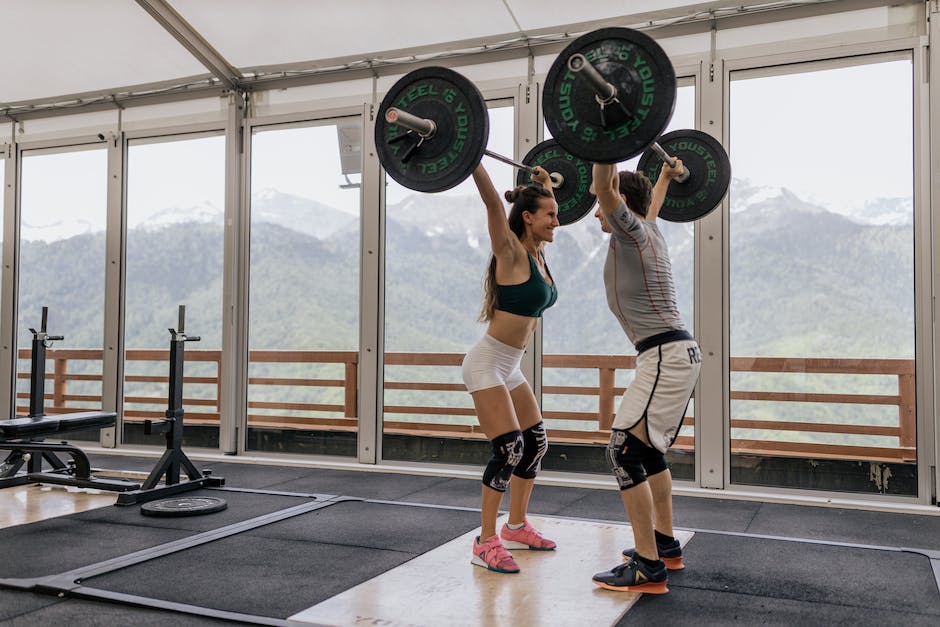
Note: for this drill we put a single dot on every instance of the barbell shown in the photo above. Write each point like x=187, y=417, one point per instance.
x=608, y=97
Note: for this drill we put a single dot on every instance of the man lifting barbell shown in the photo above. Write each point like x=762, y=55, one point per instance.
x=607, y=114
x=641, y=295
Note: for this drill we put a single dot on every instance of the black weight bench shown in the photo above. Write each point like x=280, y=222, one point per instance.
x=24, y=436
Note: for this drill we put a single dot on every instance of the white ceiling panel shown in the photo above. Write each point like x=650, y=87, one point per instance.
x=56, y=49
x=540, y=15
x=554, y=15
x=65, y=47
x=251, y=34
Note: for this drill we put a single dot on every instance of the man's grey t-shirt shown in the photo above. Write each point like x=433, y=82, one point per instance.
x=638, y=277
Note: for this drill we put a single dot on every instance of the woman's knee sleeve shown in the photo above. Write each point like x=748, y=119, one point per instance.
x=507, y=453
x=535, y=446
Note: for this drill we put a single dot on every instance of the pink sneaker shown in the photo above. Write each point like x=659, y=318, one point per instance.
x=492, y=555
x=527, y=537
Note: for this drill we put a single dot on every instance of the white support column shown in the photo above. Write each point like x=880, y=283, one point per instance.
x=927, y=163
x=711, y=299
x=9, y=286
x=528, y=124
x=371, y=397
x=233, y=404
x=112, y=365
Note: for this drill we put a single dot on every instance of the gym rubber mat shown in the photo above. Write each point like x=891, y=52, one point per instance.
x=60, y=544
x=282, y=568
x=755, y=580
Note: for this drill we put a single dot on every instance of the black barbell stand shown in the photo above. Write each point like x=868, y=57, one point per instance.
x=37, y=387
x=37, y=371
x=174, y=459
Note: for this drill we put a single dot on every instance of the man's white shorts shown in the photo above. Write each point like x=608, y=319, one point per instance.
x=660, y=392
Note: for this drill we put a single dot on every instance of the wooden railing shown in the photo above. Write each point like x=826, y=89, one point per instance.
x=457, y=419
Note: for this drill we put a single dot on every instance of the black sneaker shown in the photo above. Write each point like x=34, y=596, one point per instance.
x=670, y=553
x=634, y=576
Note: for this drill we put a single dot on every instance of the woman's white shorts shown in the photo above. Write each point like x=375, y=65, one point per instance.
x=660, y=392
x=491, y=363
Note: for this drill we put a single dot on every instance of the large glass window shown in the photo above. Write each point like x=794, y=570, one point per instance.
x=589, y=358
x=304, y=288
x=3, y=187
x=822, y=277
x=175, y=225
x=437, y=248
x=62, y=262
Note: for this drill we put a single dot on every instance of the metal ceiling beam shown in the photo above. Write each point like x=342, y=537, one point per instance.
x=114, y=93
x=109, y=104
x=190, y=39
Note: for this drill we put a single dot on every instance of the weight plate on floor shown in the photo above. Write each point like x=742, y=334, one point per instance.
x=573, y=196
x=450, y=155
x=709, y=174
x=645, y=81
x=183, y=506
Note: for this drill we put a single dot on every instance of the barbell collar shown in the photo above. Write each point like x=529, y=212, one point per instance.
x=422, y=126
x=665, y=156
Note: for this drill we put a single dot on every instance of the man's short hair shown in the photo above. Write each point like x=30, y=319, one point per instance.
x=637, y=189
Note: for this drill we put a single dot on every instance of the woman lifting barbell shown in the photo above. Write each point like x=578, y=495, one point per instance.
x=518, y=287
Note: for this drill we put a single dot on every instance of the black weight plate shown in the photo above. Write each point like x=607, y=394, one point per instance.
x=183, y=506
x=646, y=86
x=709, y=174
x=456, y=148
x=574, y=195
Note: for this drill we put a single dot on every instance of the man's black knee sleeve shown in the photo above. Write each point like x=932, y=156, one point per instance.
x=654, y=462
x=625, y=457
x=536, y=445
x=507, y=451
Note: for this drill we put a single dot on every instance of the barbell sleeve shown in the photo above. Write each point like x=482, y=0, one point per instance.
x=579, y=64
x=422, y=126
x=426, y=127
